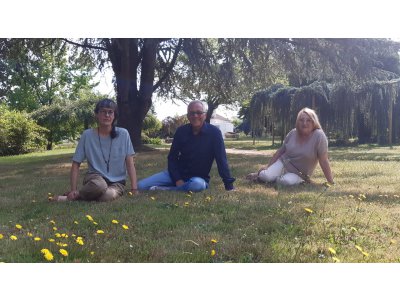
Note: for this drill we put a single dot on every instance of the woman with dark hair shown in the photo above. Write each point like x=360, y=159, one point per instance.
x=109, y=153
x=304, y=147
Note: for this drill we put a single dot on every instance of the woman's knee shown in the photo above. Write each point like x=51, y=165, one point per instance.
x=267, y=176
x=289, y=179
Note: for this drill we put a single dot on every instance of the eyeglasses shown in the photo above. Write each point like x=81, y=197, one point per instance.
x=195, y=113
x=106, y=112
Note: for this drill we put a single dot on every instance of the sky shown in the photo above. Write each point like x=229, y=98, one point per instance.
x=206, y=18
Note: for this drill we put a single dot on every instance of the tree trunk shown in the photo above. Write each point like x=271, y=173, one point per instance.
x=133, y=103
x=210, y=111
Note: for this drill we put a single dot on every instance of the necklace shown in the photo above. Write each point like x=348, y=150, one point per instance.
x=109, y=153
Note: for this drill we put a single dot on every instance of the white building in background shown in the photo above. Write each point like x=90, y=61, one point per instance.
x=223, y=124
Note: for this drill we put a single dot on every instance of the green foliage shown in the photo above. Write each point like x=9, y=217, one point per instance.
x=151, y=126
x=18, y=133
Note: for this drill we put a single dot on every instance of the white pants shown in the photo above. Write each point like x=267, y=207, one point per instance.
x=276, y=172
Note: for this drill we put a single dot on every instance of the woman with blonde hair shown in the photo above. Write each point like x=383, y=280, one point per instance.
x=303, y=147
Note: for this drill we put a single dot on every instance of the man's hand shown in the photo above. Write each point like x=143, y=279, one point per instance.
x=179, y=182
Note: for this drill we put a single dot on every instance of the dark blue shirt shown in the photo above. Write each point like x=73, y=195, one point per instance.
x=193, y=155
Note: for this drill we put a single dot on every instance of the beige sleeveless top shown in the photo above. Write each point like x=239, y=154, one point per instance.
x=303, y=157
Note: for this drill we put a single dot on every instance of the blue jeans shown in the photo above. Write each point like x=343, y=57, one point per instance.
x=194, y=184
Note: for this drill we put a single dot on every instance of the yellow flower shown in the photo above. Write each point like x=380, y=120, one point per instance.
x=63, y=252
x=76, y=222
x=358, y=248
x=152, y=198
x=51, y=240
x=49, y=194
x=29, y=234
x=79, y=241
x=91, y=252
x=214, y=241
x=55, y=228
x=61, y=244
x=37, y=239
x=58, y=235
x=208, y=199
x=335, y=259
x=89, y=218
x=114, y=221
x=13, y=237
x=1, y=236
x=188, y=195
x=309, y=210
x=186, y=204
x=73, y=235
x=212, y=252
x=100, y=231
x=333, y=251
x=52, y=222
x=125, y=227
x=64, y=235
x=18, y=226
x=130, y=193
x=365, y=253
x=47, y=254
x=95, y=223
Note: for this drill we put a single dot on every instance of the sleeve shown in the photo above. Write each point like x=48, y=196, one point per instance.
x=287, y=138
x=322, y=144
x=222, y=161
x=173, y=164
x=128, y=146
x=80, y=155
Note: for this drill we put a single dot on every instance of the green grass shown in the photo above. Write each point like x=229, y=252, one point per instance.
x=256, y=223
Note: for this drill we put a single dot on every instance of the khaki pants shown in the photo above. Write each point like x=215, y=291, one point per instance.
x=96, y=188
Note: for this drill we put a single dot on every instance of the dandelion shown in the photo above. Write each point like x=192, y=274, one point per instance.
x=366, y=254
x=332, y=251
x=63, y=252
x=76, y=222
x=212, y=252
x=64, y=235
x=89, y=218
x=91, y=252
x=208, y=199
x=79, y=240
x=52, y=222
x=29, y=234
x=125, y=227
x=214, y=241
x=335, y=259
x=309, y=210
x=58, y=235
x=130, y=193
x=51, y=240
x=152, y=198
x=37, y=239
x=186, y=204
x=18, y=226
x=13, y=237
x=100, y=231
x=1, y=236
x=95, y=223
x=114, y=222
x=47, y=254
x=55, y=228
x=358, y=248
x=188, y=195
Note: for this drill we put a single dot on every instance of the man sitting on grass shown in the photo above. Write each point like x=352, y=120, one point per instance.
x=194, y=148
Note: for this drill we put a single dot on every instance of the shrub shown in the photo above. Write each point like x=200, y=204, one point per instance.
x=18, y=133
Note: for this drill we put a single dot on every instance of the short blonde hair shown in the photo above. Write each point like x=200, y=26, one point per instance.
x=312, y=114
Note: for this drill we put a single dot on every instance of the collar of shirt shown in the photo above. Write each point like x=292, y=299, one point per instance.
x=203, y=129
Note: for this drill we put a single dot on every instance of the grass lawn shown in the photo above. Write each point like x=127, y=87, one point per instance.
x=357, y=220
